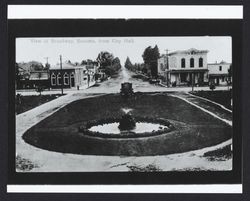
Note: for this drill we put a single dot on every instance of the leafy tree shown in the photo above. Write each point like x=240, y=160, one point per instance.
x=39, y=89
x=47, y=66
x=35, y=66
x=212, y=86
x=18, y=76
x=84, y=62
x=230, y=74
x=107, y=62
x=89, y=61
x=150, y=57
x=128, y=64
x=105, y=59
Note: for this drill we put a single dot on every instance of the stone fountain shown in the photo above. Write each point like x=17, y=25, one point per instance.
x=127, y=122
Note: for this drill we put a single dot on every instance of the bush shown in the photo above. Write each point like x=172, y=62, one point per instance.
x=39, y=89
x=212, y=86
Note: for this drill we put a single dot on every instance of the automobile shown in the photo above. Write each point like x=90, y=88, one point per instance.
x=154, y=81
x=126, y=89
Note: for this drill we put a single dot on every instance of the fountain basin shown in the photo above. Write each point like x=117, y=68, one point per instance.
x=110, y=128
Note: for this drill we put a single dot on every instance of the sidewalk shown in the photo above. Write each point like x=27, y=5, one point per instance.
x=187, y=89
x=32, y=92
x=215, y=109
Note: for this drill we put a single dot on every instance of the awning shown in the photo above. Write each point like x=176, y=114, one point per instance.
x=188, y=71
x=218, y=75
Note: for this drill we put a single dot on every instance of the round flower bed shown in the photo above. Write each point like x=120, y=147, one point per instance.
x=85, y=128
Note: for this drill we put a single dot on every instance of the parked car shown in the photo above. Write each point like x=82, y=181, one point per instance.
x=126, y=89
x=154, y=81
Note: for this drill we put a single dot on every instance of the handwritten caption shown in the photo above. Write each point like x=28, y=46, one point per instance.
x=79, y=41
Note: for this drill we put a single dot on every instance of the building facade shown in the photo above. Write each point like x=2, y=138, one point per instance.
x=184, y=67
x=34, y=80
x=218, y=73
x=69, y=76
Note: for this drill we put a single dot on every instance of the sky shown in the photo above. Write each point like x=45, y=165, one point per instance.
x=77, y=49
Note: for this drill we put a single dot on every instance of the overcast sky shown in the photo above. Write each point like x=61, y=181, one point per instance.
x=77, y=49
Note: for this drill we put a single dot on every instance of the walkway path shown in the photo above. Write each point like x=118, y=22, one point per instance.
x=215, y=109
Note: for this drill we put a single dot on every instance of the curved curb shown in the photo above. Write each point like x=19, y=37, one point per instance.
x=222, y=106
x=204, y=110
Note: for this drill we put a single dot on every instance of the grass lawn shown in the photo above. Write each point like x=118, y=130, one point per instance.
x=221, y=97
x=194, y=129
x=29, y=102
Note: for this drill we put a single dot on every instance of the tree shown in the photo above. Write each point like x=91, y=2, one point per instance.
x=150, y=57
x=114, y=68
x=212, y=85
x=39, y=89
x=128, y=64
x=105, y=59
x=230, y=74
x=84, y=62
x=107, y=62
x=47, y=66
x=18, y=76
x=35, y=66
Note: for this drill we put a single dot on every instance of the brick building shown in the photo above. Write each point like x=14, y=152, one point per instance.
x=69, y=76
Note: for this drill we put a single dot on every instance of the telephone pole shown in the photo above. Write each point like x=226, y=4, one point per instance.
x=167, y=56
x=61, y=74
x=192, y=82
x=167, y=67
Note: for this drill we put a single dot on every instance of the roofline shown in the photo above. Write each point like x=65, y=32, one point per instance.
x=217, y=74
x=188, y=50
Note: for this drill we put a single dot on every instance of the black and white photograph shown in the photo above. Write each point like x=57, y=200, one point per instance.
x=119, y=102
x=124, y=104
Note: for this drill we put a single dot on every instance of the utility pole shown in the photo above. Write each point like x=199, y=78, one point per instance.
x=47, y=63
x=192, y=82
x=61, y=74
x=167, y=65
x=167, y=56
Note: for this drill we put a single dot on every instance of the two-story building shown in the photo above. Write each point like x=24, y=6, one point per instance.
x=218, y=72
x=69, y=76
x=183, y=67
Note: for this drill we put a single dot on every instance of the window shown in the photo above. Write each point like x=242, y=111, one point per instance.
x=220, y=68
x=59, y=79
x=200, y=62
x=183, y=63
x=192, y=62
x=66, y=79
x=53, y=79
